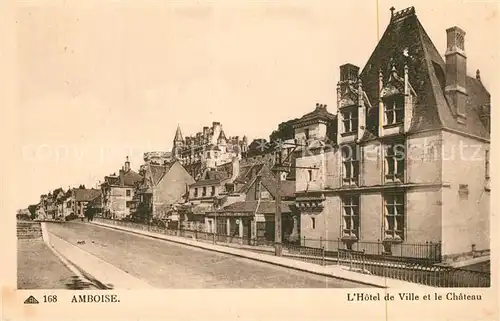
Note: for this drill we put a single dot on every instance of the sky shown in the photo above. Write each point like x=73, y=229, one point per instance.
x=102, y=80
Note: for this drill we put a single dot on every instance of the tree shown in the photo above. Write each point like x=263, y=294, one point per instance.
x=82, y=186
x=258, y=146
x=32, y=209
x=285, y=131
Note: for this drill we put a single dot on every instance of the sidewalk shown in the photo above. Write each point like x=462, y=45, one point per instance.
x=92, y=267
x=39, y=268
x=335, y=271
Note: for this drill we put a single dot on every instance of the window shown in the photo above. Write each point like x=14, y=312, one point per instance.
x=394, y=216
x=487, y=163
x=350, y=212
x=216, y=154
x=395, y=161
x=309, y=175
x=350, y=162
x=127, y=192
x=213, y=191
x=394, y=110
x=204, y=192
x=306, y=131
x=196, y=192
x=350, y=120
x=313, y=222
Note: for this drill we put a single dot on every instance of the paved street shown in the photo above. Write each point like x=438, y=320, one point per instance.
x=169, y=265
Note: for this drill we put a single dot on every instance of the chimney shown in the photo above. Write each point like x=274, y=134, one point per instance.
x=349, y=72
x=456, y=70
x=127, y=165
x=122, y=181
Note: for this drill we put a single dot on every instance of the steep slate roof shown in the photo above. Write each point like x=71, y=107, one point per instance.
x=320, y=113
x=212, y=177
x=153, y=174
x=131, y=177
x=269, y=181
x=222, y=135
x=157, y=172
x=205, y=182
x=178, y=135
x=426, y=72
x=220, y=175
x=86, y=195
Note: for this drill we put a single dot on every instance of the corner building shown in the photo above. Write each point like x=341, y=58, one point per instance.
x=405, y=160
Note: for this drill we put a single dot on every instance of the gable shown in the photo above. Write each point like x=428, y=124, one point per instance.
x=176, y=174
x=406, y=43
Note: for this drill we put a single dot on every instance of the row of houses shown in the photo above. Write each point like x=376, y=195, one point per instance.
x=59, y=204
x=385, y=167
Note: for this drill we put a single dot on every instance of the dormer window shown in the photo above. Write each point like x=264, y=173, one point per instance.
x=394, y=110
x=350, y=120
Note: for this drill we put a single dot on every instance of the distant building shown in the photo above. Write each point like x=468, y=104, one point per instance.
x=387, y=167
x=158, y=158
x=250, y=215
x=161, y=186
x=207, y=149
x=82, y=197
x=118, y=192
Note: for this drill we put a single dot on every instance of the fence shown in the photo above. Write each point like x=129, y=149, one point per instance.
x=414, y=271
x=415, y=262
x=427, y=252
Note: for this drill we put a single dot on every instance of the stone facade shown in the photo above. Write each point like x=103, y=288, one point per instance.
x=406, y=158
x=161, y=187
x=118, y=192
x=207, y=149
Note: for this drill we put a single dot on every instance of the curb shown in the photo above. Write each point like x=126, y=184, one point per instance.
x=257, y=257
x=80, y=274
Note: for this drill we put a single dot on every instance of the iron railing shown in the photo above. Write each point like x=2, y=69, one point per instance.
x=417, y=265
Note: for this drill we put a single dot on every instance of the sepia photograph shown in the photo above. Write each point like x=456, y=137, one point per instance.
x=255, y=145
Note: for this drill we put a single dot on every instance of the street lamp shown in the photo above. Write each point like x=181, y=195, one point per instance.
x=282, y=165
x=215, y=219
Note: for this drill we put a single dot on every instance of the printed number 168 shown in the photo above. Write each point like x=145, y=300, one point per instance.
x=50, y=298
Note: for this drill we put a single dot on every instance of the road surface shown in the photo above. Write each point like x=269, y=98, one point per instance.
x=165, y=264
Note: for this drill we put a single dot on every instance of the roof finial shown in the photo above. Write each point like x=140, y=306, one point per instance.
x=392, y=11
x=478, y=75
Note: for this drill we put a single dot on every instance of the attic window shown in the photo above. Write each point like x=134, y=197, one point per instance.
x=349, y=120
x=394, y=110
